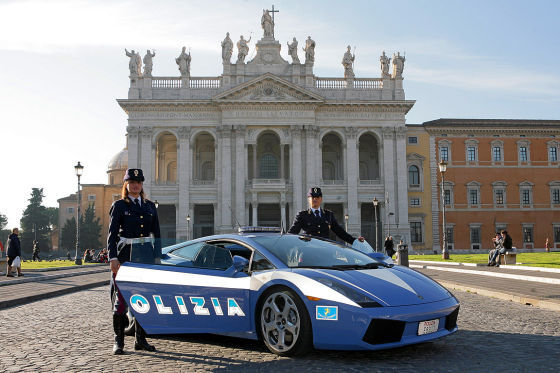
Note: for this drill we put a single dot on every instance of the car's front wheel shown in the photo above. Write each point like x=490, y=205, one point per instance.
x=284, y=323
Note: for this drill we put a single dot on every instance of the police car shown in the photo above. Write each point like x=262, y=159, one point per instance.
x=293, y=292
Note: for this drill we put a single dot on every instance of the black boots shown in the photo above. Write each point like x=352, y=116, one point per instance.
x=119, y=322
x=140, y=342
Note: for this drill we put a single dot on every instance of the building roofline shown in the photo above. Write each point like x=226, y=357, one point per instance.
x=456, y=122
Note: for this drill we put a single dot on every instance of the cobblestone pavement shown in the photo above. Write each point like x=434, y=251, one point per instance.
x=72, y=333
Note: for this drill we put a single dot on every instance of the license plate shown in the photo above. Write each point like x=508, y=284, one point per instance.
x=427, y=327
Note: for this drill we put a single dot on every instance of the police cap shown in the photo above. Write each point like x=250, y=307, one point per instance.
x=315, y=192
x=134, y=174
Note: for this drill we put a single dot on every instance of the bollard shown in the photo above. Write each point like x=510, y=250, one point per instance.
x=402, y=255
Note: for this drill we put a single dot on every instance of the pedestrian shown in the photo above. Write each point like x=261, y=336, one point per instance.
x=133, y=216
x=13, y=250
x=507, y=245
x=498, y=245
x=547, y=246
x=36, y=251
x=389, y=246
x=317, y=221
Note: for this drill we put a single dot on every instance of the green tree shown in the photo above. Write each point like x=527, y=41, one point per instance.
x=53, y=217
x=4, y=233
x=35, y=222
x=90, y=229
x=68, y=235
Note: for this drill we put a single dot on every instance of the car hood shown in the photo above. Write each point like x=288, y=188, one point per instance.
x=395, y=286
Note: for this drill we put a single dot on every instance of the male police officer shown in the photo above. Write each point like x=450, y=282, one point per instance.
x=133, y=216
x=316, y=221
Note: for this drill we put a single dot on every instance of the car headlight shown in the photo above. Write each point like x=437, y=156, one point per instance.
x=354, y=295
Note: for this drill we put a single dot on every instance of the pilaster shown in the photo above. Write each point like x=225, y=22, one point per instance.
x=226, y=168
x=240, y=173
x=352, y=180
x=132, y=139
x=146, y=157
x=184, y=178
x=297, y=171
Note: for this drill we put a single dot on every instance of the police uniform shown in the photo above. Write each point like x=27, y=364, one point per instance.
x=318, y=226
x=131, y=220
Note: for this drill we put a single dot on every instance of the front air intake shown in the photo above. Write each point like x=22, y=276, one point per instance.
x=384, y=331
x=451, y=320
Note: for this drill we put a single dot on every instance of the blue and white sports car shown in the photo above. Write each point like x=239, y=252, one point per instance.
x=291, y=291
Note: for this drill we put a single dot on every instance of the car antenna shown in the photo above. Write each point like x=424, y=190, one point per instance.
x=235, y=218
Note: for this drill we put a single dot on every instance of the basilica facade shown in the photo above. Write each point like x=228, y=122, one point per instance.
x=242, y=148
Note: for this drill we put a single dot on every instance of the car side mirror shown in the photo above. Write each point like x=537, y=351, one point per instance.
x=239, y=263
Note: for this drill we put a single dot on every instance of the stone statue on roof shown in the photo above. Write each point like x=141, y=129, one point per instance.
x=243, y=49
x=348, y=63
x=184, y=62
x=267, y=24
x=309, y=50
x=398, y=65
x=148, y=62
x=385, y=62
x=292, y=51
x=227, y=49
x=135, y=63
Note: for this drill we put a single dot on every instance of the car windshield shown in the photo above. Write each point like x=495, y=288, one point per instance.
x=307, y=252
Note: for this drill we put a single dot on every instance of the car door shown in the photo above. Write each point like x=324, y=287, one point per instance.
x=193, y=290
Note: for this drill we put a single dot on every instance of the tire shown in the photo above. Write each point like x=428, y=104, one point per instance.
x=129, y=328
x=283, y=323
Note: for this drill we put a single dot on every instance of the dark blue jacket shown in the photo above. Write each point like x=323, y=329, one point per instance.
x=131, y=221
x=319, y=227
x=14, y=246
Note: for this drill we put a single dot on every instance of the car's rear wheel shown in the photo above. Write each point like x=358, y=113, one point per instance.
x=284, y=323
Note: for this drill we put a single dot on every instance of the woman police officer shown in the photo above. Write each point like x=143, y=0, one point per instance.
x=133, y=216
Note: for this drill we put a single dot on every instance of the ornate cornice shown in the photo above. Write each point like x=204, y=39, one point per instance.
x=184, y=132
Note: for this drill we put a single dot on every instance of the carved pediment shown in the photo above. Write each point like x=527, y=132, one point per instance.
x=268, y=88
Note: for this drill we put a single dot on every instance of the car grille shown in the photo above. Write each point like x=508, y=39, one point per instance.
x=451, y=319
x=384, y=331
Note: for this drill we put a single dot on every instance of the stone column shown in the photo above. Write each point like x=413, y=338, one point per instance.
x=255, y=204
x=226, y=168
x=132, y=140
x=389, y=172
x=402, y=187
x=282, y=162
x=297, y=171
x=184, y=179
x=255, y=171
x=240, y=174
x=352, y=166
x=146, y=158
x=311, y=146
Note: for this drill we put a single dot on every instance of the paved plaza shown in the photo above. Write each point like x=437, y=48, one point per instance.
x=73, y=333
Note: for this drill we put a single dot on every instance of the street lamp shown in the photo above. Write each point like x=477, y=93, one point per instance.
x=375, y=203
x=188, y=225
x=156, y=203
x=442, y=169
x=346, y=217
x=79, y=171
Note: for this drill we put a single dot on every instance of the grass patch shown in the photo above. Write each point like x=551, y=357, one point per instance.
x=541, y=259
x=46, y=264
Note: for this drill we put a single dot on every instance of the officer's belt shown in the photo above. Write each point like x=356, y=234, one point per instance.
x=130, y=241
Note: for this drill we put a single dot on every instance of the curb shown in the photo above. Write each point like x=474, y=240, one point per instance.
x=51, y=294
x=459, y=264
x=544, y=280
x=504, y=296
x=65, y=268
x=50, y=277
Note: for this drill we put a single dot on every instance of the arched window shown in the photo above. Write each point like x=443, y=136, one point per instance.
x=332, y=157
x=413, y=176
x=204, y=157
x=368, y=157
x=166, y=158
x=268, y=166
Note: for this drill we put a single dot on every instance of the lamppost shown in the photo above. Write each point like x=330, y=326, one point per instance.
x=188, y=226
x=375, y=203
x=79, y=170
x=346, y=222
x=156, y=203
x=442, y=169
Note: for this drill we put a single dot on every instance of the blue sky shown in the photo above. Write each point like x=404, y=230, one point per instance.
x=63, y=66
